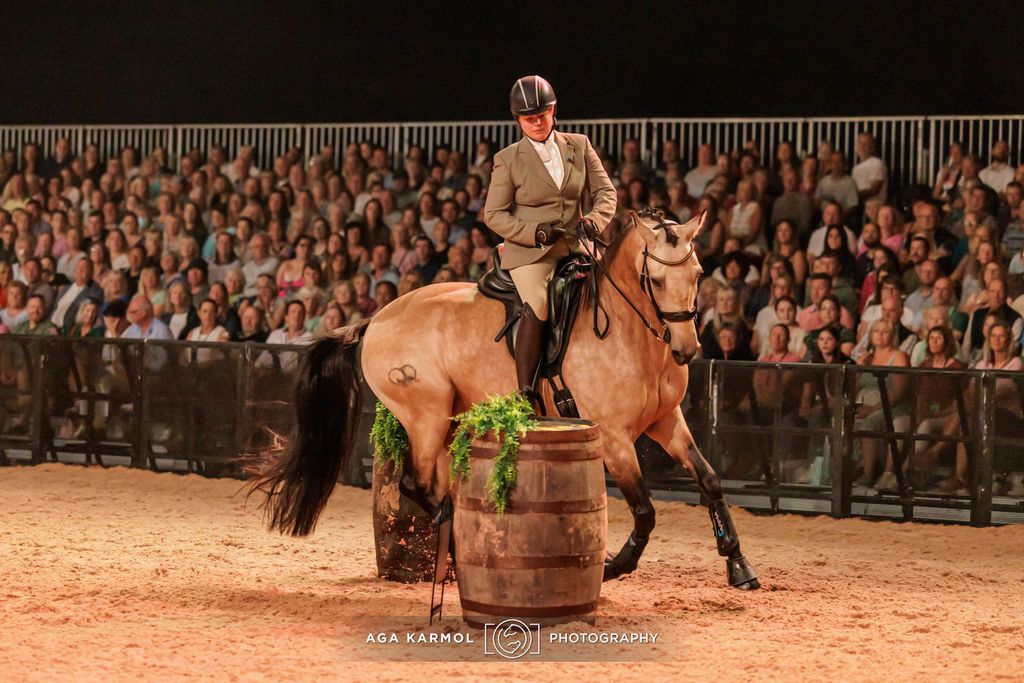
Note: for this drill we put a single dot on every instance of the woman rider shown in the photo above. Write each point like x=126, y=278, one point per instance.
x=535, y=201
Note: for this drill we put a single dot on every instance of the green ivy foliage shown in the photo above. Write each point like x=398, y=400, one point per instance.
x=510, y=417
x=389, y=438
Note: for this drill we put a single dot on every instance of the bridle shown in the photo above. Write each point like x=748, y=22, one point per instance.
x=664, y=317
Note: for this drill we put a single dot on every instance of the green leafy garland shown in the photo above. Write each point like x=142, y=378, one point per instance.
x=389, y=438
x=510, y=415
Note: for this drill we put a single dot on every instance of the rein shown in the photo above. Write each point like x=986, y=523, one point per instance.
x=663, y=317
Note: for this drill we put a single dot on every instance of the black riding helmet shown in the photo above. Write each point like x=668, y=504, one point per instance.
x=531, y=95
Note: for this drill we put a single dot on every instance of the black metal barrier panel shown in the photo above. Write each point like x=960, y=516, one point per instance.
x=845, y=440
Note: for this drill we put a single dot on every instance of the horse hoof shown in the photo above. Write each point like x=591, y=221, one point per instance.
x=741, y=574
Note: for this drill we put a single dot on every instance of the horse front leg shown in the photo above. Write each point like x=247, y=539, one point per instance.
x=620, y=459
x=674, y=436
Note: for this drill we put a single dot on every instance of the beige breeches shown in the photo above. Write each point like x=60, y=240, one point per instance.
x=532, y=279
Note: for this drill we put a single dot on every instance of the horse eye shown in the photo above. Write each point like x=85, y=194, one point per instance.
x=656, y=282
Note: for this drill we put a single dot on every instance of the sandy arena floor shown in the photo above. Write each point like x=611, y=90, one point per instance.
x=122, y=574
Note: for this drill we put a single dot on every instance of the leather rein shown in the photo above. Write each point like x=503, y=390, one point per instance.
x=664, y=317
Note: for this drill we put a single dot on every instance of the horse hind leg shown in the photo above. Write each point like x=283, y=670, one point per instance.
x=620, y=458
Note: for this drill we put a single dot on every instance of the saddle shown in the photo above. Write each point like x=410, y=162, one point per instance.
x=565, y=295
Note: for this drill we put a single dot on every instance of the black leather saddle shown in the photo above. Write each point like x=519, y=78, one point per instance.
x=565, y=296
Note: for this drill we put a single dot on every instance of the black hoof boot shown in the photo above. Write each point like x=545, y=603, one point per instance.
x=626, y=560
x=741, y=574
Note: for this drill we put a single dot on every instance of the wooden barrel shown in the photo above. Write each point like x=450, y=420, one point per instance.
x=404, y=536
x=542, y=561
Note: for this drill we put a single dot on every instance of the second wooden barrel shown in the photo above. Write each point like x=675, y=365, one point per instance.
x=404, y=536
x=542, y=561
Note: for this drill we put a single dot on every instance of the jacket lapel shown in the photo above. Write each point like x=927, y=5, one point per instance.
x=568, y=157
x=533, y=161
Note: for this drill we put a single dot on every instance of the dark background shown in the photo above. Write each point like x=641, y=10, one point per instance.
x=316, y=61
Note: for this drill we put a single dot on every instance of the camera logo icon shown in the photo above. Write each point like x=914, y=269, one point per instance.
x=512, y=639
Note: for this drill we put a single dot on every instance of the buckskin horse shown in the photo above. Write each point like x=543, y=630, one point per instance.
x=431, y=354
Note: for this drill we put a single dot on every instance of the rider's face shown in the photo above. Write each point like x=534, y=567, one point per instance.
x=538, y=127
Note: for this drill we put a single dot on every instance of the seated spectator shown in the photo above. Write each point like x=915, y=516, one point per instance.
x=143, y=324
x=87, y=321
x=995, y=304
x=936, y=394
x=711, y=239
x=312, y=299
x=745, y=220
x=364, y=302
x=870, y=174
x=289, y=273
x=259, y=263
x=1001, y=352
x=892, y=288
x=726, y=310
x=404, y=259
x=224, y=259
x=345, y=297
x=31, y=275
x=836, y=186
x=820, y=286
x=331, y=320
x=921, y=298
x=293, y=332
x=973, y=277
x=998, y=174
x=828, y=312
x=831, y=215
x=934, y=317
x=385, y=294
x=831, y=263
x=765, y=314
x=778, y=346
x=74, y=295
x=943, y=296
x=905, y=338
x=36, y=322
x=207, y=331
x=793, y=206
x=698, y=177
x=179, y=315
x=234, y=282
x=747, y=273
x=226, y=315
x=787, y=245
x=775, y=267
x=253, y=325
x=196, y=280
x=882, y=351
x=15, y=314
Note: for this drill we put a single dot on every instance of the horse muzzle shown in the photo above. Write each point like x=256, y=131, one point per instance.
x=683, y=357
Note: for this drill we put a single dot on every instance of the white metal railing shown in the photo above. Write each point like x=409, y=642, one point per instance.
x=913, y=147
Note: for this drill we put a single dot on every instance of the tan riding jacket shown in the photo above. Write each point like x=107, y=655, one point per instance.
x=522, y=195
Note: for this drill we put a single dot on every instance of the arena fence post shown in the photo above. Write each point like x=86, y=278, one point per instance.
x=714, y=382
x=841, y=451
x=139, y=425
x=774, y=472
x=981, y=475
x=37, y=356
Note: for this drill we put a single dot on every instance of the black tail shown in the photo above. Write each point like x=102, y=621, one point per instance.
x=327, y=403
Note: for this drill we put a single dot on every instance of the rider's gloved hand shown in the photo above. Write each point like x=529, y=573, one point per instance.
x=546, y=233
x=588, y=229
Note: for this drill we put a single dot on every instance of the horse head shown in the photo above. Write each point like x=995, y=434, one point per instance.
x=669, y=272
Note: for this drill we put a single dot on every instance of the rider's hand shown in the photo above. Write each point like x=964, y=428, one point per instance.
x=546, y=234
x=588, y=229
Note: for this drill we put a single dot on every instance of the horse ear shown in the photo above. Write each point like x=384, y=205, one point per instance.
x=650, y=237
x=695, y=226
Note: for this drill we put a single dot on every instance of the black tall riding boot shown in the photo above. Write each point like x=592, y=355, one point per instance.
x=529, y=346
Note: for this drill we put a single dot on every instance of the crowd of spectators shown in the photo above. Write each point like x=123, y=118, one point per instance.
x=809, y=259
